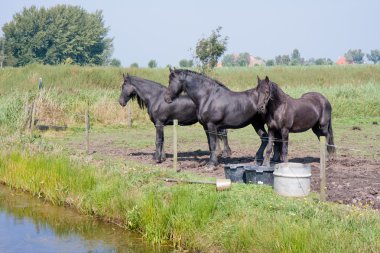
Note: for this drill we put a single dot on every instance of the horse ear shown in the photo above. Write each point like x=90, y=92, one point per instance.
x=267, y=79
x=170, y=69
x=123, y=76
x=258, y=79
x=174, y=68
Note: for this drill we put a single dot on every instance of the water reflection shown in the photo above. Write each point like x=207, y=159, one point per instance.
x=30, y=225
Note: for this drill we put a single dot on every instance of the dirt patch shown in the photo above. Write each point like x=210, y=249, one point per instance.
x=352, y=181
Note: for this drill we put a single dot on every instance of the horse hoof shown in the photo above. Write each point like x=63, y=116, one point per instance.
x=226, y=154
x=275, y=161
x=210, y=167
x=202, y=163
x=259, y=162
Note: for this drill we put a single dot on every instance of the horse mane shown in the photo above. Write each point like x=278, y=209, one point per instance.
x=276, y=91
x=188, y=71
x=140, y=102
x=135, y=96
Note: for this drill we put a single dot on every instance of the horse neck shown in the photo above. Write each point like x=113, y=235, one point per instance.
x=196, y=87
x=148, y=92
x=278, y=96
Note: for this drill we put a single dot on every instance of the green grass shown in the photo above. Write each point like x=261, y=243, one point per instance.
x=352, y=90
x=247, y=218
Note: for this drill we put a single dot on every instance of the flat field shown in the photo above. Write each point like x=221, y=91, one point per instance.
x=119, y=180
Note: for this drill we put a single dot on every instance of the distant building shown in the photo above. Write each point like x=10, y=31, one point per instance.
x=255, y=61
x=342, y=61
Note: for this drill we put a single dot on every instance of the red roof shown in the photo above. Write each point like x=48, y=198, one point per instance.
x=342, y=61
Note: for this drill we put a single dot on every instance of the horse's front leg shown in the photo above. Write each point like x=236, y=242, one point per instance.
x=159, y=142
x=285, y=140
x=269, y=148
x=212, y=134
x=260, y=130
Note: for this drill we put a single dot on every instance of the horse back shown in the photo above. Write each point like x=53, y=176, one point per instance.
x=183, y=109
x=317, y=99
x=307, y=111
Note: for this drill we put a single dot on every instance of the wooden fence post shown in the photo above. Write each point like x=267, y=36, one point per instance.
x=31, y=122
x=323, y=168
x=175, y=124
x=129, y=114
x=87, y=122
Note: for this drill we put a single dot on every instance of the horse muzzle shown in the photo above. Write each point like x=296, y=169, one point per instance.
x=122, y=102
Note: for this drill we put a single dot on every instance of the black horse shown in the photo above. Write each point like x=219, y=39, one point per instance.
x=150, y=95
x=218, y=107
x=284, y=114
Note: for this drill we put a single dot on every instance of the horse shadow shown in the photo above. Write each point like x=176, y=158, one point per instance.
x=306, y=159
x=199, y=156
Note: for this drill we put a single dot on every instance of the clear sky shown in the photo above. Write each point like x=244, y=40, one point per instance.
x=165, y=30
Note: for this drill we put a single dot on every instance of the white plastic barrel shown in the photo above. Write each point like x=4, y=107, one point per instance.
x=292, y=179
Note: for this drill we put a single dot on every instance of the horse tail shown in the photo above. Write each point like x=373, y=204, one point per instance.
x=330, y=141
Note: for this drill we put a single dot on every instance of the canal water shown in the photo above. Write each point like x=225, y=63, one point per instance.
x=30, y=225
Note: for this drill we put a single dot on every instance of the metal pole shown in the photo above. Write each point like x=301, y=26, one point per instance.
x=175, y=124
x=323, y=168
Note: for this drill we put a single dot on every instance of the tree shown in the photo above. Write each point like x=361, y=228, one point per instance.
x=115, y=62
x=209, y=50
x=374, y=56
x=243, y=59
x=52, y=35
x=311, y=61
x=134, y=65
x=228, y=60
x=295, y=58
x=282, y=59
x=320, y=61
x=269, y=62
x=323, y=61
x=186, y=63
x=152, y=64
x=2, y=56
x=354, y=56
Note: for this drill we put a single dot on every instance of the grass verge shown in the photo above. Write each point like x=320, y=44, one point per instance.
x=247, y=218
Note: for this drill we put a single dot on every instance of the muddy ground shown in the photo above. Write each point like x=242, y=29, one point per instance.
x=352, y=181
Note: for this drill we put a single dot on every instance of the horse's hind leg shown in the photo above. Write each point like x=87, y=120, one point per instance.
x=269, y=148
x=222, y=135
x=260, y=130
x=218, y=148
x=212, y=134
x=285, y=144
x=277, y=148
x=316, y=130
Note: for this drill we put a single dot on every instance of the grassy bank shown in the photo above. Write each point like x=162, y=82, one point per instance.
x=352, y=90
x=247, y=218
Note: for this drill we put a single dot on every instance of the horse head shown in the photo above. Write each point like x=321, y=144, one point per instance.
x=176, y=82
x=127, y=90
x=264, y=89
